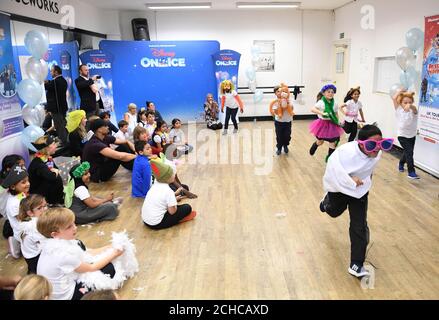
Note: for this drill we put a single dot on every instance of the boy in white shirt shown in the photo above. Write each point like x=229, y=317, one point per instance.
x=160, y=210
x=347, y=181
x=123, y=135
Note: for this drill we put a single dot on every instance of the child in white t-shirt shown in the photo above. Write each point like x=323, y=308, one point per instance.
x=179, y=145
x=160, y=209
x=17, y=184
x=62, y=258
x=31, y=208
x=407, y=126
x=351, y=108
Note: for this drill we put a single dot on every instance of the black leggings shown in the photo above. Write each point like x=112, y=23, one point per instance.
x=32, y=265
x=170, y=220
x=335, y=204
x=409, y=146
x=352, y=128
x=231, y=113
x=7, y=230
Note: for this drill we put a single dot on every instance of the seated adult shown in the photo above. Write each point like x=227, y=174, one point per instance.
x=104, y=161
x=105, y=115
x=151, y=106
x=76, y=121
x=211, y=110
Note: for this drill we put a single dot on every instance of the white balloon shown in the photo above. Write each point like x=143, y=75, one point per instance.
x=36, y=43
x=396, y=88
x=258, y=96
x=30, y=91
x=405, y=58
x=33, y=115
x=252, y=85
x=415, y=39
x=37, y=69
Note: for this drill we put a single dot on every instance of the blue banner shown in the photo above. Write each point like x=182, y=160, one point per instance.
x=226, y=64
x=64, y=55
x=100, y=63
x=11, y=122
x=175, y=75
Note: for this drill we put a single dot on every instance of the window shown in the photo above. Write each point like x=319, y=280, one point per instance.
x=386, y=74
x=339, y=65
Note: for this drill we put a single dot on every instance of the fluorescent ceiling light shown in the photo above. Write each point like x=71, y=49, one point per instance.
x=182, y=5
x=264, y=5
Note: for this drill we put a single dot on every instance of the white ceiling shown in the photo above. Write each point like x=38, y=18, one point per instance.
x=216, y=4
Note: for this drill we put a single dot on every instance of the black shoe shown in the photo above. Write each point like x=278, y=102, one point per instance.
x=286, y=149
x=313, y=149
x=278, y=152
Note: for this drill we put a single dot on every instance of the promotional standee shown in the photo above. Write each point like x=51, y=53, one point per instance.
x=175, y=75
x=11, y=121
x=100, y=63
x=429, y=93
x=427, y=144
x=226, y=64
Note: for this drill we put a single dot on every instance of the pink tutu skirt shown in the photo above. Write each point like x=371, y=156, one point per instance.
x=325, y=129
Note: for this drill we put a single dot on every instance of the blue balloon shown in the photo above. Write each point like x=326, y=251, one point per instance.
x=258, y=96
x=36, y=43
x=409, y=77
x=30, y=91
x=415, y=39
x=31, y=134
x=250, y=73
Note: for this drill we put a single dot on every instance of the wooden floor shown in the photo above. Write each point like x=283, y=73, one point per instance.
x=263, y=237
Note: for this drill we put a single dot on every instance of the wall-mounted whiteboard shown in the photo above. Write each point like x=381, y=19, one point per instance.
x=386, y=74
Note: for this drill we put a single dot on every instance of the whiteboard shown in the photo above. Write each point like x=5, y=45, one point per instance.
x=386, y=74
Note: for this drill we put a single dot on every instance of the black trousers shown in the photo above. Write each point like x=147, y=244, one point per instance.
x=352, y=128
x=231, y=113
x=170, y=220
x=59, y=120
x=424, y=96
x=283, y=134
x=81, y=289
x=32, y=265
x=215, y=126
x=335, y=204
x=407, y=156
x=124, y=148
x=106, y=171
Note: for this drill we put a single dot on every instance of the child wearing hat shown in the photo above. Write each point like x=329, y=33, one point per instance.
x=160, y=209
x=87, y=208
x=44, y=176
x=17, y=184
x=76, y=121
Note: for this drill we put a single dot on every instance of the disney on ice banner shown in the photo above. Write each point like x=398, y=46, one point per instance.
x=226, y=63
x=175, y=75
x=11, y=121
x=100, y=63
x=64, y=55
x=429, y=96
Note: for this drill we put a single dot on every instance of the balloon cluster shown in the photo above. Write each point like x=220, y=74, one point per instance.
x=405, y=58
x=251, y=75
x=30, y=90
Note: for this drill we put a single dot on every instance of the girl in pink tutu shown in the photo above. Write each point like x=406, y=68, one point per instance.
x=327, y=126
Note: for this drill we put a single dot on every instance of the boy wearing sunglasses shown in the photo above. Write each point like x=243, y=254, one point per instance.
x=347, y=181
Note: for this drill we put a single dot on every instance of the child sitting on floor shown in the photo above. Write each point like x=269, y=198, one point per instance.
x=87, y=208
x=160, y=209
x=141, y=177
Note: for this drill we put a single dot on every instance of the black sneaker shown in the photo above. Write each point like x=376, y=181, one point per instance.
x=286, y=149
x=313, y=149
x=278, y=152
x=358, y=271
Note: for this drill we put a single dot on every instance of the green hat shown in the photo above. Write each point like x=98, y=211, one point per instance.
x=161, y=171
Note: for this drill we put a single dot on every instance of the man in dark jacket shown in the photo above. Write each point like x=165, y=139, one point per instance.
x=91, y=100
x=56, y=101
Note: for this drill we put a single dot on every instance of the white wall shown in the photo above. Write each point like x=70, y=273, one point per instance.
x=236, y=30
x=389, y=35
x=87, y=17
